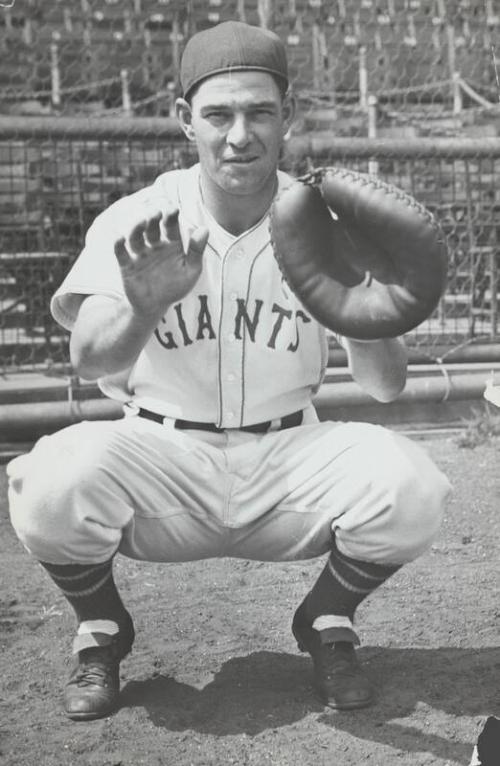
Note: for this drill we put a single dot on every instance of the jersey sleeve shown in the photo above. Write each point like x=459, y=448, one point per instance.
x=96, y=270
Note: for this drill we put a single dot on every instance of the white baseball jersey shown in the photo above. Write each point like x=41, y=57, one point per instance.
x=238, y=349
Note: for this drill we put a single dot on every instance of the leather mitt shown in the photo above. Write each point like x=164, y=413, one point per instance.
x=364, y=258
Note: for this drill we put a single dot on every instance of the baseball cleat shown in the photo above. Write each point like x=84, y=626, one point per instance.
x=338, y=677
x=94, y=685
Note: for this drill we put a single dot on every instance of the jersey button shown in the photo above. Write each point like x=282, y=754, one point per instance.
x=231, y=337
x=231, y=376
x=230, y=415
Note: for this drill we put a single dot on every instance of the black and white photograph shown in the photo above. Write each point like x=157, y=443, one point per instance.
x=249, y=382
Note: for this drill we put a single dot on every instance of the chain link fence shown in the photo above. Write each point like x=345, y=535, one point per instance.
x=423, y=59
x=407, y=89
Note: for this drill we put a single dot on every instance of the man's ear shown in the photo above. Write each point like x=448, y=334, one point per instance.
x=289, y=109
x=184, y=115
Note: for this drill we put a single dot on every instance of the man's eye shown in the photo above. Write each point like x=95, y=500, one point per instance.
x=263, y=112
x=217, y=116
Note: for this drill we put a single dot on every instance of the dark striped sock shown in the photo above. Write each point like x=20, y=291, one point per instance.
x=343, y=584
x=90, y=589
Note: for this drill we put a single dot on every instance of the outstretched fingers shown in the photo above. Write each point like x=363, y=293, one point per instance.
x=145, y=234
x=136, y=239
x=160, y=233
x=152, y=229
x=171, y=225
x=121, y=253
x=196, y=245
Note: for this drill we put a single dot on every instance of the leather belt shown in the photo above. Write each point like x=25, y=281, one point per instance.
x=288, y=421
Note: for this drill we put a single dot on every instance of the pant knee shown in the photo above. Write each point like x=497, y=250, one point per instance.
x=38, y=493
x=403, y=508
x=54, y=501
x=417, y=514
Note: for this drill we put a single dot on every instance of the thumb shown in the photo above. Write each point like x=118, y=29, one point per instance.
x=196, y=245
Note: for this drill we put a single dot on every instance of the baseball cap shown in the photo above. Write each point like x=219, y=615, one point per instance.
x=231, y=46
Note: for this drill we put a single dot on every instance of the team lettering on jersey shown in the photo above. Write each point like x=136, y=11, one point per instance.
x=246, y=319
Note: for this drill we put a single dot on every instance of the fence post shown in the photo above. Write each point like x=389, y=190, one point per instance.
x=321, y=76
x=240, y=10
x=471, y=239
x=28, y=32
x=68, y=21
x=457, y=93
x=363, y=78
x=265, y=11
x=372, y=104
x=493, y=293
x=126, y=101
x=452, y=65
x=87, y=34
x=55, y=75
x=147, y=57
x=127, y=21
x=175, y=40
x=171, y=89
x=316, y=57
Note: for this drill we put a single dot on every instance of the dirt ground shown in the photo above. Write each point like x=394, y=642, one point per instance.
x=215, y=676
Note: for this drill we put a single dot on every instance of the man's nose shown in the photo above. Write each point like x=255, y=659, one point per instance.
x=239, y=134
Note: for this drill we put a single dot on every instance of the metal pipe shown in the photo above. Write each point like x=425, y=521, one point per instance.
x=317, y=144
x=430, y=388
x=22, y=422
x=472, y=353
x=321, y=145
x=427, y=371
x=13, y=127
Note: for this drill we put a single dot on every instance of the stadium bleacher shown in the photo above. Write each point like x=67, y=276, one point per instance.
x=407, y=42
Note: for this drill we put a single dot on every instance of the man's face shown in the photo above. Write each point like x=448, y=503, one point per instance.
x=238, y=121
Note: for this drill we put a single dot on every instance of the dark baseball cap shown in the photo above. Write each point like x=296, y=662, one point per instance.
x=232, y=46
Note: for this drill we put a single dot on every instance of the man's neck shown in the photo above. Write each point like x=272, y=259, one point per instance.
x=236, y=213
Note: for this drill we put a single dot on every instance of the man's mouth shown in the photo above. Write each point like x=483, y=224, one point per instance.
x=240, y=160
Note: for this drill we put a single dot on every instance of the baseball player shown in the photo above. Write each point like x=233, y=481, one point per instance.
x=177, y=307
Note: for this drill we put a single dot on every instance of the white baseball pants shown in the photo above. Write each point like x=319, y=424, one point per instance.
x=156, y=493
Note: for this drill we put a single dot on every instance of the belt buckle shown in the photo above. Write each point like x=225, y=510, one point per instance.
x=130, y=410
x=275, y=425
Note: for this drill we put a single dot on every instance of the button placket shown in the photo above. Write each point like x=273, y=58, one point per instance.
x=235, y=281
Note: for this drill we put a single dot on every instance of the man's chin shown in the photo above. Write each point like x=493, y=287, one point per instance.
x=242, y=179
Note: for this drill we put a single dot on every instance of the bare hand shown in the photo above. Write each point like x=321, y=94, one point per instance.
x=155, y=270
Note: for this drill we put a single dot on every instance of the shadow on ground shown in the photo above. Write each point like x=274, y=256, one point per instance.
x=268, y=690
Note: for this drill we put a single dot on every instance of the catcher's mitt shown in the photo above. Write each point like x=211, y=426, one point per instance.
x=365, y=258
